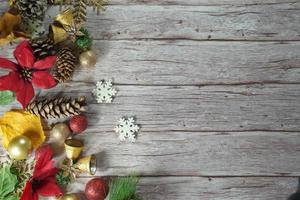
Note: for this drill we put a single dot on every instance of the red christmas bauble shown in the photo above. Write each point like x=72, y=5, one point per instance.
x=96, y=189
x=78, y=123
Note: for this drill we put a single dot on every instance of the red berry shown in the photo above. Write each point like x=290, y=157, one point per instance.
x=78, y=123
x=96, y=189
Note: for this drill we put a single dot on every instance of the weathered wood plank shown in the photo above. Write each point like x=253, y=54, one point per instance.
x=259, y=22
x=194, y=153
x=201, y=2
x=211, y=108
x=179, y=188
x=199, y=20
x=197, y=154
x=190, y=62
x=166, y=108
x=269, y=107
x=213, y=22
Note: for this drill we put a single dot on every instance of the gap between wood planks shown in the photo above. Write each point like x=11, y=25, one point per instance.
x=193, y=3
x=196, y=40
x=224, y=132
x=240, y=83
x=202, y=176
x=184, y=3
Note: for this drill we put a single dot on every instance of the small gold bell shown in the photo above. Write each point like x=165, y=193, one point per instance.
x=87, y=164
x=65, y=18
x=58, y=34
x=73, y=148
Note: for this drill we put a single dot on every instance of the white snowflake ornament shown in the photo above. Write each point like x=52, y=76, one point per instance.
x=127, y=129
x=104, y=91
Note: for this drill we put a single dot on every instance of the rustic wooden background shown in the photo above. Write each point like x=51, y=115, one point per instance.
x=215, y=86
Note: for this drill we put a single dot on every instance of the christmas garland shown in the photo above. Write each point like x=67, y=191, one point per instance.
x=44, y=59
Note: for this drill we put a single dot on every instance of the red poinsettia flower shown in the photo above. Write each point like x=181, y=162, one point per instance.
x=43, y=182
x=26, y=72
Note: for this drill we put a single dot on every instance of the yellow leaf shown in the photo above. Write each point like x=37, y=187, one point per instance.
x=8, y=24
x=15, y=123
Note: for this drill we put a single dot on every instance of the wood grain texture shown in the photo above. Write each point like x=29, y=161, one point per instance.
x=194, y=188
x=180, y=62
x=191, y=108
x=204, y=22
x=256, y=22
x=241, y=3
x=194, y=153
x=197, y=154
x=213, y=84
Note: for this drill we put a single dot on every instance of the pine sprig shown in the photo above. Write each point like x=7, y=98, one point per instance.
x=23, y=169
x=79, y=11
x=124, y=189
x=98, y=5
x=63, y=178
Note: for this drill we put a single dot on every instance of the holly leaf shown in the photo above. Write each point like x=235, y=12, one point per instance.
x=6, y=97
x=8, y=182
x=11, y=197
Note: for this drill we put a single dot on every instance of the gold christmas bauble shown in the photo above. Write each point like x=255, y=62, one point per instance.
x=19, y=147
x=60, y=132
x=88, y=59
x=69, y=197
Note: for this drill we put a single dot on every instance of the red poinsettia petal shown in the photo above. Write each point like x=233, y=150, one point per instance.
x=46, y=63
x=7, y=64
x=47, y=171
x=11, y=82
x=43, y=79
x=43, y=155
x=24, y=55
x=28, y=194
x=25, y=94
x=48, y=188
x=44, y=166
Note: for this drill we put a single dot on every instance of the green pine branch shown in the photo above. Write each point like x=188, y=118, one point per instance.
x=124, y=188
x=63, y=179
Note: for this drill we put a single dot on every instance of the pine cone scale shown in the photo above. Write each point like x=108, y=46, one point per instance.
x=57, y=107
x=42, y=47
x=65, y=65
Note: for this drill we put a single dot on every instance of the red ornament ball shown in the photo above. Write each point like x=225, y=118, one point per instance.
x=78, y=123
x=96, y=189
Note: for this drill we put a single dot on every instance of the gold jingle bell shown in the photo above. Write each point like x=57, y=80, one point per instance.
x=73, y=148
x=87, y=164
x=68, y=197
x=65, y=18
x=57, y=30
x=64, y=27
x=58, y=34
